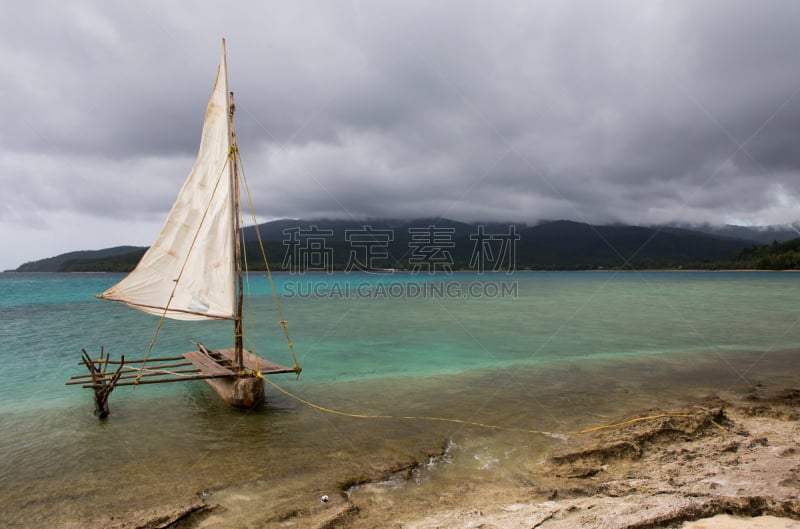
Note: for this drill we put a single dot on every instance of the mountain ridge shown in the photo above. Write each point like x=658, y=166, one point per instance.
x=552, y=245
x=62, y=262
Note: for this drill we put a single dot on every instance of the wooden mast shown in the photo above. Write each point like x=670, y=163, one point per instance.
x=237, y=250
x=237, y=245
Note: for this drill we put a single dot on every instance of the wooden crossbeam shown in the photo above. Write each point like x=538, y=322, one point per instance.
x=256, y=363
x=158, y=381
x=166, y=359
x=133, y=373
x=154, y=366
x=207, y=365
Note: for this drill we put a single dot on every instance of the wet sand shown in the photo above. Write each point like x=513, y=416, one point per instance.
x=692, y=465
x=712, y=462
x=726, y=521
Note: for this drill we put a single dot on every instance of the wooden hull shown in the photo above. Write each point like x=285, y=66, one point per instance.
x=240, y=392
x=244, y=392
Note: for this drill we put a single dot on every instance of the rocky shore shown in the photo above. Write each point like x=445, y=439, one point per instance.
x=656, y=470
x=708, y=464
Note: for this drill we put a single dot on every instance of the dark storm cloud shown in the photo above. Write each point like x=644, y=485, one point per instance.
x=600, y=111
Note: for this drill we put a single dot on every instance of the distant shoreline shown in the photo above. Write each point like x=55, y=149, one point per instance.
x=560, y=245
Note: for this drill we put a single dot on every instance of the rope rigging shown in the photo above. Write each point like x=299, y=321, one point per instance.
x=476, y=423
x=282, y=321
x=233, y=153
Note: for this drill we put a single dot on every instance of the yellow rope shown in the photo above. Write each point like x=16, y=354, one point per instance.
x=180, y=274
x=632, y=421
x=474, y=423
x=283, y=321
x=250, y=320
x=404, y=417
x=718, y=425
x=310, y=404
x=640, y=419
x=322, y=408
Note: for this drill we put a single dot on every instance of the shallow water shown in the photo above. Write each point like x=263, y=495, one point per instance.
x=561, y=352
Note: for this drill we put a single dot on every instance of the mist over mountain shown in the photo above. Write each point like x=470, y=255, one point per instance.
x=760, y=234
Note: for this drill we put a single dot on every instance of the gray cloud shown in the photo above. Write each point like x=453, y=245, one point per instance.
x=628, y=111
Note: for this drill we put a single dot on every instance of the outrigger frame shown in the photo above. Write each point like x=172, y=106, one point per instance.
x=201, y=364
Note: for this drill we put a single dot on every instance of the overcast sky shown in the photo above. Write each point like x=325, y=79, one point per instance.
x=600, y=111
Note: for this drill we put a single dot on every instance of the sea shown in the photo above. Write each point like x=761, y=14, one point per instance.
x=462, y=377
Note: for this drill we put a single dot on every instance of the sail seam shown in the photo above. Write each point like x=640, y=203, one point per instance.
x=180, y=274
x=139, y=306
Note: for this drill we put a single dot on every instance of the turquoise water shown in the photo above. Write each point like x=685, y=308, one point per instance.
x=526, y=348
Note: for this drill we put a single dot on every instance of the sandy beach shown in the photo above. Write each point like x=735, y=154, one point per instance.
x=719, y=462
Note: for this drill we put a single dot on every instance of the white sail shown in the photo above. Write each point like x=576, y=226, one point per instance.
x=188, y=273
